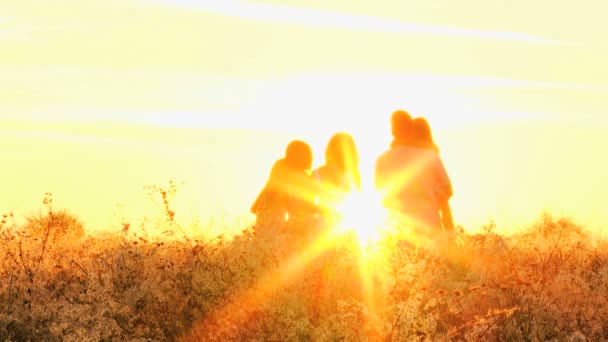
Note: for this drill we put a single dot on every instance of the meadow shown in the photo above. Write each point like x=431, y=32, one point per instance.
x=103, y=98
x=58, y=283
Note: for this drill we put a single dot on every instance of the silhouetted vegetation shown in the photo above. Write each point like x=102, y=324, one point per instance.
x=546, y=283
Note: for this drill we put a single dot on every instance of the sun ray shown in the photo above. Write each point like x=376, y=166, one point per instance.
x=390, y=185
x=362, y=212
x=266, y=287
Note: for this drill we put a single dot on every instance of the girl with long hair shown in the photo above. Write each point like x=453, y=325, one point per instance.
x=340, y=173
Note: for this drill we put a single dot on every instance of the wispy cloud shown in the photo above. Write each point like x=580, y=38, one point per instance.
x=336, y=91
x=23, y=28
x=169, y=97
x=328, y=19
x=436, y=80
x=155, y=96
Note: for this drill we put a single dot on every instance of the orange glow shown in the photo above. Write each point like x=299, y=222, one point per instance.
x=363, y=213
x=267, y=286
x=104, y=102
x=514, y=129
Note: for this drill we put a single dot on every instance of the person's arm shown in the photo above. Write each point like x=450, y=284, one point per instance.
x=446, y=216
x=444, y=193
x=258, y=204
x=442, y=181
x=268, y=195
x=300, y=200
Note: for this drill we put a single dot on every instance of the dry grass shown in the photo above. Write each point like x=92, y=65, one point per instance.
x=549, y=283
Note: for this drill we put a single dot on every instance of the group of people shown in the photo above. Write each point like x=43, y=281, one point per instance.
x=410, y=176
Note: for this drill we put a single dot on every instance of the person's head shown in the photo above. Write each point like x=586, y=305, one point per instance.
x=342, y=152
x=400, y=124
x=298, y=154
x=421, y=134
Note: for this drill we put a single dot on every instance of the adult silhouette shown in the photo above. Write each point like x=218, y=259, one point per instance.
x=340, y=173
x=412, y=178
x=423, y=138
x=289, y=191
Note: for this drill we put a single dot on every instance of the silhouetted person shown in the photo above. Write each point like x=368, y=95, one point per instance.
x=423, y=138
x=340, y=173
x=401, y=122
x=335, y=180
x=412, y=178
x=289, y=192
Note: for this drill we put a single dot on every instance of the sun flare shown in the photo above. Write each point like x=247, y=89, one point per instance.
x=363, y=213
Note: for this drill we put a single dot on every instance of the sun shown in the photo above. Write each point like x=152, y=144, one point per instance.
x=363, y=213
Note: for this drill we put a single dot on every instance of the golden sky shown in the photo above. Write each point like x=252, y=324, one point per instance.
x=215, y=62
x=311, y=68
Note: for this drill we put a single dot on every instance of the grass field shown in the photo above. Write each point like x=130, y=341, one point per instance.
x=58, y=283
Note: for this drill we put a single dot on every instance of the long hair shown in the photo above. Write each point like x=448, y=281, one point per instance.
x=342, y=153
x=421, y=134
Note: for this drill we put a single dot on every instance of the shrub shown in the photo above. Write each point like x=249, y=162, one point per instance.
x=58, y=225
x=547, y=283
